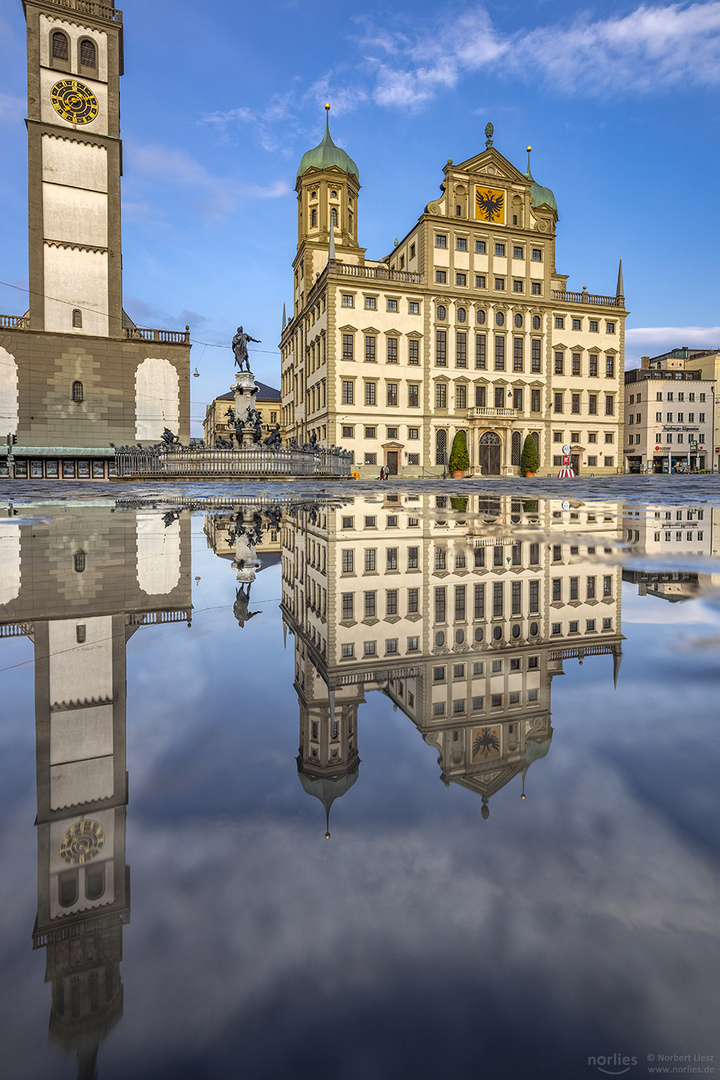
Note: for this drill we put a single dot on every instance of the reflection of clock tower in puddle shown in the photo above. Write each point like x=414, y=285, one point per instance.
x=81, y=585
x=74, y=68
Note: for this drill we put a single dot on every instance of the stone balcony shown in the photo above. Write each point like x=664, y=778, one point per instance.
x=487, y=412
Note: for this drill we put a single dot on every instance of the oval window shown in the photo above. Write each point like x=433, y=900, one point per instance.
x=536, y=322
x=461, y=314
x=479, y=633
x=481, y=318
x=441, y=313
x=439, y=638
x=497, y=633
x=518, y=321
x=499, y=319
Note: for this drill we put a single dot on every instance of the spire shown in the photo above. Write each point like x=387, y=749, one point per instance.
x=528, y=173
x=284, y=317
x=617, y=660
x=620, y=291
x=331, y=246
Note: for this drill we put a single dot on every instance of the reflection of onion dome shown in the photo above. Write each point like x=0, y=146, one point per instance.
x=328, y=788
x=327, y=154
x=534, y=749
x=539, y=195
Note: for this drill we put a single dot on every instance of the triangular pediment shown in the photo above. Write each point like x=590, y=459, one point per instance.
x=491, y=159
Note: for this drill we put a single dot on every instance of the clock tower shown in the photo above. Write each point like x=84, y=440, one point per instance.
x=75, y=163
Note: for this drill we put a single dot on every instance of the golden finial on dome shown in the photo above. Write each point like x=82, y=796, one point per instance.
x=327, y=106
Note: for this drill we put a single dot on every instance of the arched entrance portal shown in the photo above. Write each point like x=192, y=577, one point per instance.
x=490, y=453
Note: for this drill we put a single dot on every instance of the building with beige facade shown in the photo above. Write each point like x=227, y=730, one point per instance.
x=76, y=373
x=216, y=424
x=465, y=326
x=460, y=611
x=668, y=420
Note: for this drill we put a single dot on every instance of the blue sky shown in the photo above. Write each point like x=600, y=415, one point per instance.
x=219, y=102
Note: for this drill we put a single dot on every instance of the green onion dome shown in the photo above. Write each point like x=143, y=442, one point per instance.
x=327, y=154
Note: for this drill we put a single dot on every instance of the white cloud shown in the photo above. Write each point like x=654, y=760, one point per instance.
x=653, y=340
x=652, y=48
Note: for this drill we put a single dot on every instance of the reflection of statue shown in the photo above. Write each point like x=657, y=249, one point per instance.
x=241, y=606
x=239, y=347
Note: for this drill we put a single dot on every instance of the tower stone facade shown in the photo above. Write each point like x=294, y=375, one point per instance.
x=76, y=374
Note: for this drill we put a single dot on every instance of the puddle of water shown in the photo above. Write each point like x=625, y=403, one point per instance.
x=373, y=784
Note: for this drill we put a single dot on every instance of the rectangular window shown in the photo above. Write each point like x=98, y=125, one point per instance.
x=347, y=347
x=460, y=397
x=479, y=601
x=518, y=252
x=347, y=605
x=348, y=561
x=392, y=350
x=607, y=585
x=347, y=392
x=609, y=327
x=370, y=559
x=413, y=351
x=609, y=462
x=592, y=404
x=610, y=367
x=461, y=243
x=413, y=395
x=517, y=400
x=348, y=300
x=593, y=326
x=500, y=250
x=413, y=553
x=348, y=650
x=593, y=368
x=516, y=598
x=391, y=601
x=441, y=277
x=370, y=350
x=441, y=348
x=392, y=305
x=533, y=596
x=370, y=303
x=537, y=254
x=577, y=324
x=371, y=459
x=413, y=307
x=479, y=556
x=499, y=283
x=559, y=322
x=348, y=432
x=559, y=363
x=480, y=397
x=413, y=433
x=557, y=588
x=534, y=555
x=391, y=559
x=459, y=603
x=575, y=406
x=609, y=405
x=517, y=286
x=461, y=279
x=518, y=363
x=480, y=247
x=369, y=605
x=369, y=432
x=481, y=351
x=534, y=401
x=441, y=396
x=392, y=393
x=535, y=361
x=370, y=393
x=440, y=604
x=480, y=281
x=440, y=240
x=497, y=599
x=558, y=403
x=413, y=601
x=499, y=352
x=535, y=288
x=576, y=363
x=461, y=349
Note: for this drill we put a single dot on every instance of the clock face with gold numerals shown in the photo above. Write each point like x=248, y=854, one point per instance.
x=74, y=101
x=82, y=841
x=490, y=205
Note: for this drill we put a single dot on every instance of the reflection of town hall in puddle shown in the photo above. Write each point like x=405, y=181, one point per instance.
x=461, y=611
x=79, y=584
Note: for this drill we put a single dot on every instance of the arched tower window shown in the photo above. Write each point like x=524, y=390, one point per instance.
x=77, y=391
x=60, y=50
x=536, y=439
x=88, y=53
x=68, y=888
x=77, y=318
x=79, y=561
x=333, y=218
x=95, y=881
x=313, y=218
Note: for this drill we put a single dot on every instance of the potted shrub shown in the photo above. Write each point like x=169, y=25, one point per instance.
x=529, y=459
x=459, y=457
